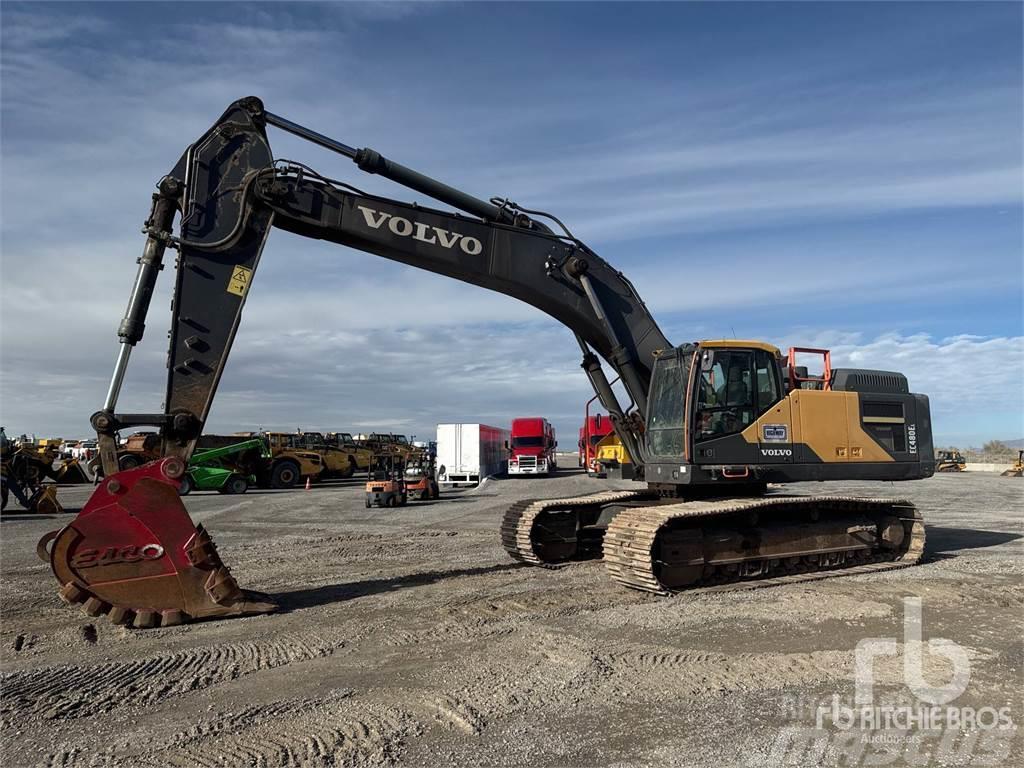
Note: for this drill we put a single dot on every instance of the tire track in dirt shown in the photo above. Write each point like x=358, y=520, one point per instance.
x=307, y=737
x=697, y=673
x=328, y=730
x=454, y=713
x=447, y=631
x=543, y=671
x=57, y=692
x=702, y=673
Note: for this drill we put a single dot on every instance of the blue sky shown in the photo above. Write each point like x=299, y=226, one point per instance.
x=834, y=174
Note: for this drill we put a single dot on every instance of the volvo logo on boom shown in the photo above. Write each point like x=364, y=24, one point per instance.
x=776, y=452
x=423, y=232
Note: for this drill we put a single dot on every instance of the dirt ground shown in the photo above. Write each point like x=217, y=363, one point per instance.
x=408, y=637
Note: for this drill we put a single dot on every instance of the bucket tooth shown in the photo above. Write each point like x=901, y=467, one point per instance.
x=72, y=593
x=145, y=619
x=221, y=587
x=119, y=615
x=95, y=607
x=171, y=618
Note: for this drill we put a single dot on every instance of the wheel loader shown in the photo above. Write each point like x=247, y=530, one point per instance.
x=340, y=461
x=709, y=424
x=137, y=449
x=386, y=442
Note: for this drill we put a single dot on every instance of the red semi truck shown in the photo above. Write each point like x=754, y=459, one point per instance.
x=532, y=447
x=594, y=428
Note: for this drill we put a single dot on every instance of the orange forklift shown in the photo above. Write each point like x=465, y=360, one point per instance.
x=421, y=476
x=385, y=486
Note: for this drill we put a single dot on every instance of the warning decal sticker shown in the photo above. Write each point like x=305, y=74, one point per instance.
x=239, y=282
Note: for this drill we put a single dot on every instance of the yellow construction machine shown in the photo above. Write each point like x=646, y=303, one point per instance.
x=24, y=466
x=613, y=460
x=950, y=461
x=1017, y=470
x=291, y=461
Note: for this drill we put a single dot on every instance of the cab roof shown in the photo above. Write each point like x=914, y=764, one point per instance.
x=740, y=343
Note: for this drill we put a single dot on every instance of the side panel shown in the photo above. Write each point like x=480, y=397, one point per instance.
x=469, y=460
x=447, y=446
x=773, y=433
x=827, y=428
x=489, y=449
x=730, y=449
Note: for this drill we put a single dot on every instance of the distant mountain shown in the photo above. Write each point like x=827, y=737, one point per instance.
x=1015, y=444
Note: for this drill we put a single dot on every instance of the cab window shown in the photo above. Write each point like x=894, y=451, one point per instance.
x=666, y=405
x=726, y=402
x=767, y=381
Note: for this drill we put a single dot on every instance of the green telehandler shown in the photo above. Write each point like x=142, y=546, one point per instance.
x=212, y=470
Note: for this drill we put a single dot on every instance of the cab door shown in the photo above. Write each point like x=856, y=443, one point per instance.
x=726, y=406
x=774, y=427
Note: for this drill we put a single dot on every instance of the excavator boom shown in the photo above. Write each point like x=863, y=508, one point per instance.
x=231, y=192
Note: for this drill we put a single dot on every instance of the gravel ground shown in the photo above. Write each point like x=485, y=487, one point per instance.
x=407, y=637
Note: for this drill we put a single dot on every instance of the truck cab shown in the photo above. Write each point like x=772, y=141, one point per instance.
x=532, y=447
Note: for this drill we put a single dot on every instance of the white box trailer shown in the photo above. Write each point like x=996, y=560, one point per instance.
x=467, y=453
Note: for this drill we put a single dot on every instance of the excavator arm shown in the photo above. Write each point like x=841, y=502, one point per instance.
x=133, y=553
x=230, y=193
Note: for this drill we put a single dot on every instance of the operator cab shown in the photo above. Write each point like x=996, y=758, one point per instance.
x=741, y=412
x=735, y=383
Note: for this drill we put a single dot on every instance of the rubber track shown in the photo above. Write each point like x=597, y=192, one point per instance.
x=629, y=541
x=517, y=524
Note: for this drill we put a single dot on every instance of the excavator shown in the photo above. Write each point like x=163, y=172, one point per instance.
x=709, y=425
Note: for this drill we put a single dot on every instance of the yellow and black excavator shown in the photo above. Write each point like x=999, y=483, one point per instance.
x=710, y=424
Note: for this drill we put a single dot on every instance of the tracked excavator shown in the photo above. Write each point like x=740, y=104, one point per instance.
x=710, y=423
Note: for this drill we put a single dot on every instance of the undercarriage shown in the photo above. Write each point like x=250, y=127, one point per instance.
x=666, y=545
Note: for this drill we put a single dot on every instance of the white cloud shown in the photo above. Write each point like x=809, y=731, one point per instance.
x=975, y=384
x=83, y=146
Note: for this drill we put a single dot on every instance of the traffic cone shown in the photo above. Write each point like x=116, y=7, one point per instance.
x=309, y=483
